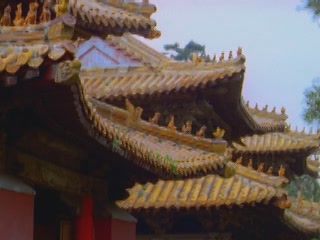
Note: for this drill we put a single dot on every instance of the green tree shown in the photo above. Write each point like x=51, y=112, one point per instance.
x=183, y=54
x=311, y=112
x=307, y=185
x=313, y=6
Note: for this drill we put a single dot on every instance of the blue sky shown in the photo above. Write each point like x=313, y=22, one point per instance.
x=280, y=43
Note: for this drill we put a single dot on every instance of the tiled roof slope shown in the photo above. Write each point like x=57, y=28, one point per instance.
x=275, y=142
x=158, y=149
x=130, y=82
x=245, y=187
x=264, y=116
x=134, y=18
x=304, y=216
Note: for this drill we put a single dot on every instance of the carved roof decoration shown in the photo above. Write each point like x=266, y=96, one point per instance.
x=159, y=149
x=209, y=191
x=275, y=142
x=265, y=115
x=60, y=27
x=303, y=215
x=115, y=16
x=303, y=133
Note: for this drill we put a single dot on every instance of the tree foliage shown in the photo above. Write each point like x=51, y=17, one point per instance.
x=307, y=185
x=311, y=112
x=313, y=6
x=183, y=54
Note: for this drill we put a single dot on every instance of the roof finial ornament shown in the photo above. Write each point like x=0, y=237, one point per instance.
x=6, y=18
x=282, y=171
x=218, y=133
x=45, y=14
x=214, y=59
x=230, y=55
x=270, y=169
x=256, y=106
x=171, y=125
x=247, y=103
x=265, y=108
x=187, y=127
x=221, y=59
x=31, y=17
x=283, y=110
x=61, y=7
x=250, y=164
x=134, y=113
x=273, y=110
x=201, y=132
x=155, y=118
x=260, y=167
x=239, y=160
x=239, y=51
x=19, y=19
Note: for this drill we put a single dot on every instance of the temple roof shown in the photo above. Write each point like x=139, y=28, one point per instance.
x=115, y=17
x=246, y=186
x=275, y=142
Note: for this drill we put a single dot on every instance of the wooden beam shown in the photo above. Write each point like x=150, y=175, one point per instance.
x=41, y=172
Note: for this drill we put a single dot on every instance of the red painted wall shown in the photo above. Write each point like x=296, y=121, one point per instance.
x=16, y=215
x=123, y=230
x=114, y=229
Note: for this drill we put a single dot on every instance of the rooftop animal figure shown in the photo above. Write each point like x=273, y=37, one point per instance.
x=282, y=171
x=201, y=132
x=31, y=17
x=219, y=133
x=260, y=167
x=6, y=18
x=45, y=14
x=239, y=160
x=187, y=127
x=155, y=118
x=270, y=170
x=19, y=19
x=171, y=125
x=250, y=164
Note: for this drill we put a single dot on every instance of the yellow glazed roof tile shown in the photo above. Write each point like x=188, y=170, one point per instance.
x=30, y=54
x=208, y=191
x=303, y=215
x=159, y=149
x=272, y=142
x=117, y=15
